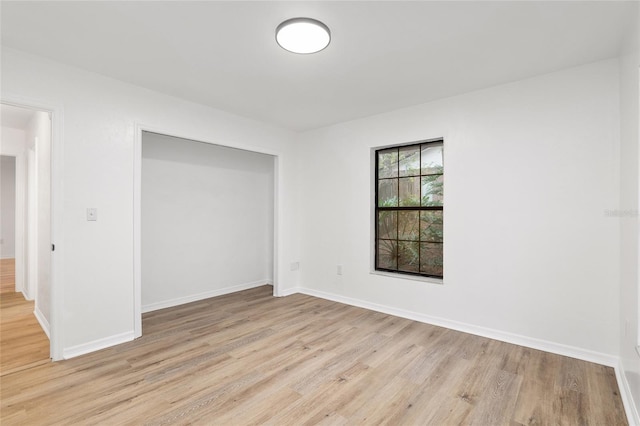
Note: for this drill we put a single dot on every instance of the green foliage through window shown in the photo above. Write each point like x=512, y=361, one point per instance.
x=409, y=209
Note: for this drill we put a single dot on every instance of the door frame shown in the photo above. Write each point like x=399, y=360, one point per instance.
x=32, y=219
x=137, y=207
x=57, y=290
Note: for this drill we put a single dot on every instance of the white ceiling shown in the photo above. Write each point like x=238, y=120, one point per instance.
x=383, y=55
x=15, y=117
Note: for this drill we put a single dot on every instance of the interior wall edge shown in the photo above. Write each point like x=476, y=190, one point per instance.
x=43, y=321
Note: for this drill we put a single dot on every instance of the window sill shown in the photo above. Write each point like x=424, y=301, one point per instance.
x=409, y=277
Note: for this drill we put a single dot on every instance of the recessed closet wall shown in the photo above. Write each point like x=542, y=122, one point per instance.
x=207, y=220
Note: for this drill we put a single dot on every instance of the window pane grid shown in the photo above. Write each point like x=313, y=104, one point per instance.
x=409, y=206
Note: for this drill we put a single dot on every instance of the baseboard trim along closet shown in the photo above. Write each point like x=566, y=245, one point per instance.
x=43, y=321
x=96, y=345
x=200, y=296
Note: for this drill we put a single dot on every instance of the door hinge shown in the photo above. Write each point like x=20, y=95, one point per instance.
x=53, y=247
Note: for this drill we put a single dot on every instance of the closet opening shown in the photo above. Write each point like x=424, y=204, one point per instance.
x=206, y=219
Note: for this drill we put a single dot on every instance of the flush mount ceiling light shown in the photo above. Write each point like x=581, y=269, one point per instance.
x=303, y=35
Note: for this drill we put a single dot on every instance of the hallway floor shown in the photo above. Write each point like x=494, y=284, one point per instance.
x=7, y=275
x=23, y=344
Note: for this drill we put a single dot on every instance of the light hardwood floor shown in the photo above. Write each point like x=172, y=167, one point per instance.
x=23, y=344
x=249, y=358
x=7, y=275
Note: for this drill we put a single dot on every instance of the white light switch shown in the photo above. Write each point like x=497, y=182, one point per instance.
x=92, y=214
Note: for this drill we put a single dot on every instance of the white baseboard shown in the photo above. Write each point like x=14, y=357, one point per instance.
x=25, y=295
x=43, y=321
x=530, y=342
x=627, y=397
x=289, y=291
x=96, y=345
x=200, y=296
x=128, y=336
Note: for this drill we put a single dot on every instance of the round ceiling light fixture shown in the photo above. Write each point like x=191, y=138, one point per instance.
x=303, y=35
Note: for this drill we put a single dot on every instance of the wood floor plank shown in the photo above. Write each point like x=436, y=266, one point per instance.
x=7, y=275
x=436, y=399
x=535, y=403
x=23, y=343
x=250, y=359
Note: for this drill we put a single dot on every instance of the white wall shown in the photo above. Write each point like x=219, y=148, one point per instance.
x=8, y=207
x=13, y=143
x=93, y=262
x=628, y=217
x=530, y=169
x=207, y=220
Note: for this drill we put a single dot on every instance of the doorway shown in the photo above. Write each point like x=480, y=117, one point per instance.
x=27, y=141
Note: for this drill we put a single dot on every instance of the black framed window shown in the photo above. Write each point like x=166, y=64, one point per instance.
x=409, y=209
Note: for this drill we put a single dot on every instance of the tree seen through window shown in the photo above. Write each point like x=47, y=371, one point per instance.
x=409, y=209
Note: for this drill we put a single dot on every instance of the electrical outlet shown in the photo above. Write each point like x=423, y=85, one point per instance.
x=339, y=269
